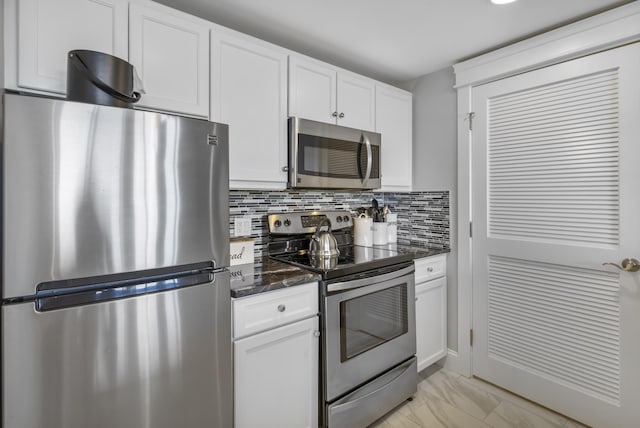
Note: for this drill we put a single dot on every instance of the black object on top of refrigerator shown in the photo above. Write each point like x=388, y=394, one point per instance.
x=115, y=243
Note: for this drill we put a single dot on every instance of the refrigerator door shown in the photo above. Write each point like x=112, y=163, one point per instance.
x=94, y=190
x=159, y=360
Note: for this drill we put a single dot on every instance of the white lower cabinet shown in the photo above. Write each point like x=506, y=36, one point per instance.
x=276, y=370
x=431, y=310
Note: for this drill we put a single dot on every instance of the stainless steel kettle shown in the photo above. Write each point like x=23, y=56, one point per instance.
x=323, y=247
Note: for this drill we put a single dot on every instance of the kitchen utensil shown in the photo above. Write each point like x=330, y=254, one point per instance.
x=375, y=211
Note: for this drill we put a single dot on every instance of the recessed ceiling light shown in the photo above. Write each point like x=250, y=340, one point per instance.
x=502, y=1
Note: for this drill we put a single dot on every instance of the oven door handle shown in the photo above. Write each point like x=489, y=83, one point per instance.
x=357, y=283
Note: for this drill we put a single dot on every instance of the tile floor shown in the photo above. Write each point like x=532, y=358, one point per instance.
x=448, y=400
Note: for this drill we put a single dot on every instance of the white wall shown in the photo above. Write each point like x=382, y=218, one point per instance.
x=435, y=163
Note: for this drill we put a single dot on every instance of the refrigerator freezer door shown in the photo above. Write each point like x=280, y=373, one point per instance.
x=159, y=360
x=94, y=190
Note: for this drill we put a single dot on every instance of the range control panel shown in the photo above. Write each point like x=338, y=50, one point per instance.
x=306, y=222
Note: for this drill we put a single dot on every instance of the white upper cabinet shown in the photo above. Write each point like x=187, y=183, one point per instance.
x=394, y=120
x=312, y=90
x=170, y=51
x=249, y=93
x=356, y=101
x=45, y=31
x=321, y=92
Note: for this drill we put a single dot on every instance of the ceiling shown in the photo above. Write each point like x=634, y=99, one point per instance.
x=392, y=40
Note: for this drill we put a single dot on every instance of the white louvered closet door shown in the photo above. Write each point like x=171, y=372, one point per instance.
x=556, y=192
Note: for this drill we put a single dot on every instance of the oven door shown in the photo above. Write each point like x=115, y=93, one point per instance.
x=369, y=328
x=324, y=156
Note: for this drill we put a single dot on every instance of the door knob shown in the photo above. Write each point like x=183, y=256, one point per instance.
x=627, y=265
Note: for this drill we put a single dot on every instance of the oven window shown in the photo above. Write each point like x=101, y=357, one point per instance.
x=371, y=320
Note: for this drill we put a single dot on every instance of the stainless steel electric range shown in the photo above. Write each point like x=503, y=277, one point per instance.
x=367, y=304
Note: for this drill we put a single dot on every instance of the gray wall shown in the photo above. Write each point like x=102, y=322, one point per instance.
x=435, y=163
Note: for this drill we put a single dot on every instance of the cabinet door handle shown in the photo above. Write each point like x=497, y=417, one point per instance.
x=281, y=308
x=334, y=114
x=429, y=269
x=285, y=168
x=316, y=333
x=341, y=115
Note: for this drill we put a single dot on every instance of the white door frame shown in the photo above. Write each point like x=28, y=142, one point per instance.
x=604, y=31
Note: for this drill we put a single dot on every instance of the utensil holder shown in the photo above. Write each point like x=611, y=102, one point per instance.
x=363, y=231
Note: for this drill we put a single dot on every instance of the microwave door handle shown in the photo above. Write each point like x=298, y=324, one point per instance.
x=369, y=158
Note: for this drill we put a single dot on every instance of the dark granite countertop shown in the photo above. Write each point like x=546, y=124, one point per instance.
x=416, y=251
x=249, y=279
x=270, y=275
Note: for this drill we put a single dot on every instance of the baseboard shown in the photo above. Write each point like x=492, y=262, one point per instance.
x=454, y=362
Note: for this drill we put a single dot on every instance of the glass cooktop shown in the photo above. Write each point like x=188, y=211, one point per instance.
x=352, y=259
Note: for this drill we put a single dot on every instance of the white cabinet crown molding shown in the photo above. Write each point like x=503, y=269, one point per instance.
x=606, y=30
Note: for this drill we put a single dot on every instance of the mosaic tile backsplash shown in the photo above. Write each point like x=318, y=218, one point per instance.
x=423, y=217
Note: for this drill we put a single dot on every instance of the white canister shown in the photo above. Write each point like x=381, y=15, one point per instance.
x=363, y=230
x=379, y=233
x=392, y=228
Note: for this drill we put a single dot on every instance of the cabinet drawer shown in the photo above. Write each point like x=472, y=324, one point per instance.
x=430, y=268
x=268, y=310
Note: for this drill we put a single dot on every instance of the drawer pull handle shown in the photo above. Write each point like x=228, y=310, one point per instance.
x=281, y=308
x=429, y=269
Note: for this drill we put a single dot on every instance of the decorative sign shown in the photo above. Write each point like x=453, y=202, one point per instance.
x=241, y=251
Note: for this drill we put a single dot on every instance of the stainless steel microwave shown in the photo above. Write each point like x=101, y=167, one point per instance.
x=326, y=156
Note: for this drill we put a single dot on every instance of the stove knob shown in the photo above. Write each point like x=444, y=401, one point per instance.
x=346, y=219
x=339, y=219
x=287, y=222
x=277, y=223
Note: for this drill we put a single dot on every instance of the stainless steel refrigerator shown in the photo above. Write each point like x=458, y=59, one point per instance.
x=115, y=293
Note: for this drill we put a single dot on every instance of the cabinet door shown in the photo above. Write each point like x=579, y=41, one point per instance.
x=249, y=93
x=431, y=322
x=170, y=51
x=394, y=121
x=48, y=30
x=276, y=377
x=356, y=101
x=312, y=90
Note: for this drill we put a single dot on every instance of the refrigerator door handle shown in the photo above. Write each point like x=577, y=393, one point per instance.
x=78, y=296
